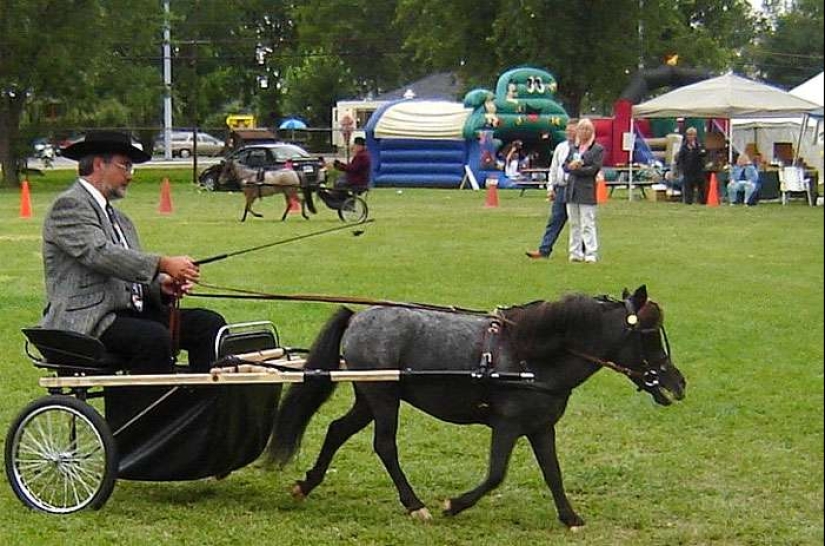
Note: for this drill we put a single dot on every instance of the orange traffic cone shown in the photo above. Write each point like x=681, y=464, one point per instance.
x=25, y=201
x=165, y=197
x=713, y=191
x=294, y=204
x=601, y=189
x=491, y=200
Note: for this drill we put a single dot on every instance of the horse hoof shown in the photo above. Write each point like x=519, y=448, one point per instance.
x=297, y=493
x=422, y=514
x=447, y=507
x=576, y=528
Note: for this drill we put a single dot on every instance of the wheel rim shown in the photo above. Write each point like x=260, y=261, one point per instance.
x=353, y=210
x=59, y=459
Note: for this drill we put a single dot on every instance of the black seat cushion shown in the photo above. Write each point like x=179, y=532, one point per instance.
x=65, y=348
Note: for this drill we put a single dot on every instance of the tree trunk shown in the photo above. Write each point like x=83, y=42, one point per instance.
x=11, y=110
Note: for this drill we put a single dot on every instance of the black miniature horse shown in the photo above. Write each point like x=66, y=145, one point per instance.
x=455, y=367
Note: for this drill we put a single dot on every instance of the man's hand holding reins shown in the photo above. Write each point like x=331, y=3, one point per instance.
x=181, y=268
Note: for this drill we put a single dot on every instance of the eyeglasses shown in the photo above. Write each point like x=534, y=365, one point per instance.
x=128, y=168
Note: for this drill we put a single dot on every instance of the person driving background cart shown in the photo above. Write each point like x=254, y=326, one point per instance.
x=99, y=282
x=355, y=174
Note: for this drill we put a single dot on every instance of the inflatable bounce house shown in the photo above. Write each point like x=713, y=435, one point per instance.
x=654, y=140
x=428, y=143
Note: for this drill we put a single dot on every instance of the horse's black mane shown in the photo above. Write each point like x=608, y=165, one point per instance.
x=543, y=328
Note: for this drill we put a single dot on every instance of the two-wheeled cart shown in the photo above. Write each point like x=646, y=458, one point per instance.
x=349, y=204
x=62, y=454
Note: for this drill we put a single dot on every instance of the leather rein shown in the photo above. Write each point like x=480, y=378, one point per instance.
x=649, y=376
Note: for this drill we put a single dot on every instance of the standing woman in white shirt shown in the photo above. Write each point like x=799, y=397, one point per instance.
x=582, y=165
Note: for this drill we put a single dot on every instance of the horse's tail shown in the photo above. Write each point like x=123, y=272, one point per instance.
x=307, y=190
x=304, y=399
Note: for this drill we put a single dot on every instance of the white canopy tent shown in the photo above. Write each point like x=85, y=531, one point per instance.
x=728, y=96
x=805, y=131
x=812, y=90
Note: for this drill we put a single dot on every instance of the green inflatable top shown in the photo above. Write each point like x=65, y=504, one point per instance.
x=522, y=104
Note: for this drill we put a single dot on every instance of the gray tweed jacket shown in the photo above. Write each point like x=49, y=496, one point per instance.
x=89, y=275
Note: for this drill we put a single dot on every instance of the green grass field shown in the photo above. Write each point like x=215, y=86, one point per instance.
x=738, y=462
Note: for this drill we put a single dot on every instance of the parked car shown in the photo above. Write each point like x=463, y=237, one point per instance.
x=183, y=144
x=43, y=147
x=275, y=156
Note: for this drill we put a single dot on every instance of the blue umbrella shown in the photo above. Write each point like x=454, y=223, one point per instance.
x=292, y=124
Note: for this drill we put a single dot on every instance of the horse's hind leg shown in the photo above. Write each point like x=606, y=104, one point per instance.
x=339, y=431
x=286, y=210
x=544, y=447
x=501, y=447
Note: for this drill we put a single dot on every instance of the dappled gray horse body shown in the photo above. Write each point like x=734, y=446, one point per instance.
x=399, y=338
x=459, y=368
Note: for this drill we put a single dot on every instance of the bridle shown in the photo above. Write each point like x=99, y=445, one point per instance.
x=649, y=376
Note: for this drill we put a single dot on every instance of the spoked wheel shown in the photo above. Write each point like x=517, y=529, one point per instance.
x=61, y=456
x=353, y=210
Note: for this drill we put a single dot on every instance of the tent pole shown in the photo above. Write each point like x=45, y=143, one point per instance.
x=630, y=161
x=802, y=130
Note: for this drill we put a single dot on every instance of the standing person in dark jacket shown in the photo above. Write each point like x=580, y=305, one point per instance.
x=357, y=172
x=582, y=166
x=691, y=163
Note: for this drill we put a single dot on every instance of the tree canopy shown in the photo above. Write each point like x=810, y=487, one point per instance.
x=99, y=63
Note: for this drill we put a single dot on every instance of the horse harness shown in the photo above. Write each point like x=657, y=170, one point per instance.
x=650, y=376
x=490, y=349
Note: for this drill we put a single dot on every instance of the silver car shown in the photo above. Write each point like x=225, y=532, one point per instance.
x=183, y=144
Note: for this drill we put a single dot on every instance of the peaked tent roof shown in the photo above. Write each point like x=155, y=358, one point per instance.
x=727, y=96
x=811, y=90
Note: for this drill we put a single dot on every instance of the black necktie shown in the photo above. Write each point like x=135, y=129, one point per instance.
x=120, y=238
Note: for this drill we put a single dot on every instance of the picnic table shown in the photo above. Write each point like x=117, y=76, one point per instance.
x=534, y=178
x=636, y=177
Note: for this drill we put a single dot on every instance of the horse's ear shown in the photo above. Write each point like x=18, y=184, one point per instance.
x=640, y=296
x=625, y=293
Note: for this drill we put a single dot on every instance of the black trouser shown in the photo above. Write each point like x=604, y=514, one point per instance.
x=693, y=183
x=145, y=341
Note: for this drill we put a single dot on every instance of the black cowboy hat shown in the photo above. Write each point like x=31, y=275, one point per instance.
x=106, y=142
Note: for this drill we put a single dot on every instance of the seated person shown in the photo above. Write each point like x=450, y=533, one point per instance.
x=744, y=177
x=99, y=281
x=356, y=173
x=673, y=182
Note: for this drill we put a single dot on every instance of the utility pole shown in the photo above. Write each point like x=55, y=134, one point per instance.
x=167, y=82
x=641, y=30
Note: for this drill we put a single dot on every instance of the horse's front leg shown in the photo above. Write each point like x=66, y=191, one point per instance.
x=385, y=409
x=501, y=447
x=544, y=448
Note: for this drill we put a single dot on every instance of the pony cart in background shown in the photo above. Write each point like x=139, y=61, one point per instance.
x=349, y=204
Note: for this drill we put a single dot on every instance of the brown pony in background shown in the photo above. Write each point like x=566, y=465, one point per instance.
x=257, y=184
